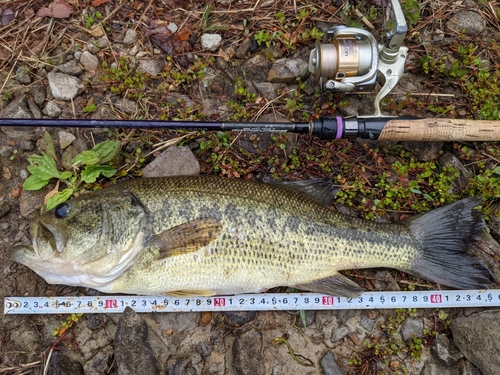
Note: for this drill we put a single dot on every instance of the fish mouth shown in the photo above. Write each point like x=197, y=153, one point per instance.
x=47, y=239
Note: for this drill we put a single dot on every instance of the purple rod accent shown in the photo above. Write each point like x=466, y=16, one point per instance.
x=340, y=128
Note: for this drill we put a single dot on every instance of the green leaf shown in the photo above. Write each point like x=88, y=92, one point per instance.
x=43, y=166
x=108, y=150
x=91, y=172
x=34, y=182
x=496, y=170
x=302, y=314
x=87, y=157
x=51, y=150
x=59, y=197
x=65, y=175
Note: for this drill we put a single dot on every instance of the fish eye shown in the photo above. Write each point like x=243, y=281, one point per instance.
x=62, y=210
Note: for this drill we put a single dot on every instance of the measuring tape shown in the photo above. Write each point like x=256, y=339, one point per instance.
x=252, y=302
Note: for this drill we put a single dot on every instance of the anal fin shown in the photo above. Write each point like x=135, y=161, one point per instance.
x=334, y=285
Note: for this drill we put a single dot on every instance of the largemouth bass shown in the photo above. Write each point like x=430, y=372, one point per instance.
x=206, y=235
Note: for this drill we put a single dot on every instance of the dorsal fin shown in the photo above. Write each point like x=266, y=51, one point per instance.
x=320, y=189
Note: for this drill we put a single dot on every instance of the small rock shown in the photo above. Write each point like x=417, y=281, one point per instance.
x=38, y=92
x=133, y=353
x=89, y=61
x=103, y=112
x=256, y=68
x=172, y=27
x=4, y=208
x=25, y=145
x=62, y=365
x=65, y=139
x=32, y=200
x=467, y=20
x=71, y=68
x=78, y=55
x=180, y=365
x=24, y=174
x=52, y=109
x=239, y=318
x=288, y=71
x=34, y=109
x=385, y=281
x=247, y=354
x=102, y=42
x=6, y=174
x=310, y=318
x=94, y=321
x=367, y=322
x=126, y=105
x=461, y=182
x=243, y=48
x=131, y=36
x=153, y=67
x=174, y=161
x=17, y=108
x=478, y=338
x=329, y=365
x=99, y=363
x=266, y=90
x=22, y=75
x=63, y=86
x=424, y=151
x=412, y=327
x=6, y=151
x=447, y=353
x=211, y=42
x=204, y=348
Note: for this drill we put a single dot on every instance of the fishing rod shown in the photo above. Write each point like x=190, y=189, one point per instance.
x=328, y=128
x=352, y=61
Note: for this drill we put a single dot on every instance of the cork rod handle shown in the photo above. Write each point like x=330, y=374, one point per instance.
x=440, y=130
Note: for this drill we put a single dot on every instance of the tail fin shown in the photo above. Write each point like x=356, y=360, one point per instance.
x=442, y=235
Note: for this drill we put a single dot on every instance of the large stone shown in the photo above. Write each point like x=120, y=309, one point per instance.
x=247, y=354
x=133, y=352
x=174, y=161
x=89, y=61
x=288, y=71
x=256, y=68
x=412, y=327
x=478, y=338
x=17, y=108
x=64, y=86
x=472, y=23
x=152, y=67
x=329, y=365
x=71, y=67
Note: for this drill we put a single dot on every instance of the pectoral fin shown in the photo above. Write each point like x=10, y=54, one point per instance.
x=186, y=238
x=190, y=293
x=335, y=285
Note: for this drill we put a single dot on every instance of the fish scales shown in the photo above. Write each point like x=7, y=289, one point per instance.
x=280, y=237
x=207, y=235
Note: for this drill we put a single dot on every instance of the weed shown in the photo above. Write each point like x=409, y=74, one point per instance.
x=124, y=78
x=91, y=108
x=47, y=166
x=91, y=19
x=70, y=322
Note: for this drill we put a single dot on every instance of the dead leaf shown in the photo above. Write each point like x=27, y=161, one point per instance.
x=96, y=3
x=183, y=35
x=56, y=9
x=206, y=317
x=51, y=193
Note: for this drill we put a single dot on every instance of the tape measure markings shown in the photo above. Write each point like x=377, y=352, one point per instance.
x=252, y=302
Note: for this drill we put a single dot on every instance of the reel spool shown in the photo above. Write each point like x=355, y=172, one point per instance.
x=353, y=61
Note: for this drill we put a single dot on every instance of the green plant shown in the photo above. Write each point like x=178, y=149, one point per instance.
x=70, y=322
x=91, y=18
x=90, y=108
x=45, y=167
x=124, y=78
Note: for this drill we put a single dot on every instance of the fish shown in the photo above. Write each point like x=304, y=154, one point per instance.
x=208, y=235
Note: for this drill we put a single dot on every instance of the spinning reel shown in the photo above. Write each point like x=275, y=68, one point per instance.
x=353, y=61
